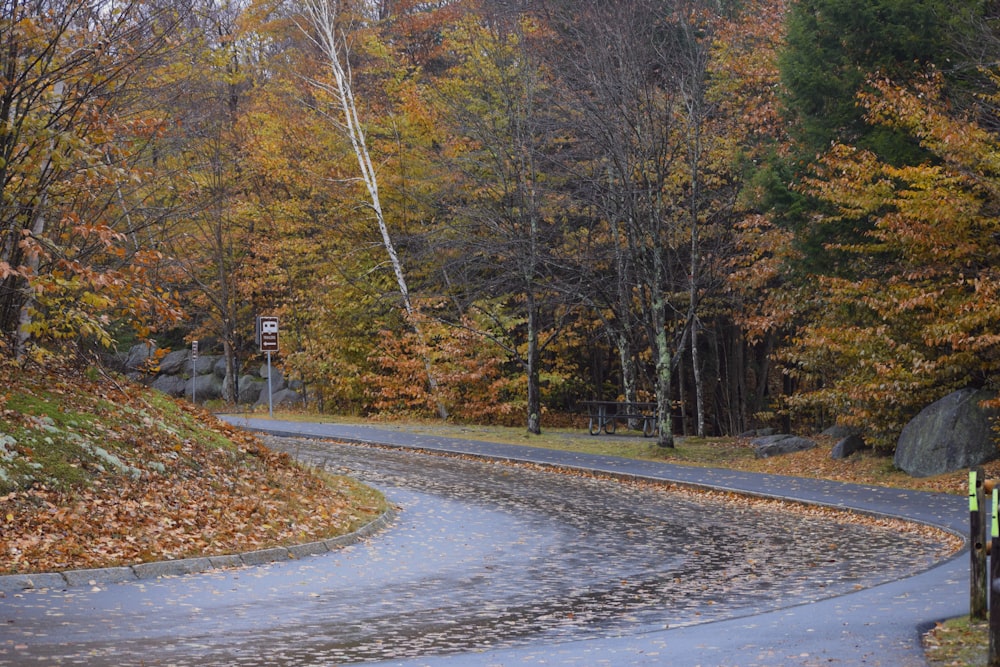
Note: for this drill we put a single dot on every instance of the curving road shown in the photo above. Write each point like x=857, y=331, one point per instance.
x=489, y=564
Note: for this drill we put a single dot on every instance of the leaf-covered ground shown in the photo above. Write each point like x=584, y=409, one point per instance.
x=865, y=467
x=958, y=642
x=97, y=472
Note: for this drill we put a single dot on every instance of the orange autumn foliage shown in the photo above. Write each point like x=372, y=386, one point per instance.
x=918, y=314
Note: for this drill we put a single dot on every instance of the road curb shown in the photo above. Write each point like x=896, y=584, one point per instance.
x=16, y=583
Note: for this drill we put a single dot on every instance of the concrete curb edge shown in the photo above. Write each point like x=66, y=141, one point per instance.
x=16, y=583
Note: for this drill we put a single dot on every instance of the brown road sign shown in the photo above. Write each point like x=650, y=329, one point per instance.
x=268, y=334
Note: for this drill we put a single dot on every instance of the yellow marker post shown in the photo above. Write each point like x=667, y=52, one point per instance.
x=973, y=492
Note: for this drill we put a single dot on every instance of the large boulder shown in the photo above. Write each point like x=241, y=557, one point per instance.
x=847, y=446
x=250, y=389
x=277, y=377
x=950, y=434
x=205, y=364
x=288, y=397
x=281, y=397
x=776, y=445
x=138, y=356
x=206, y=387
x=171, y=385
x=177, y=362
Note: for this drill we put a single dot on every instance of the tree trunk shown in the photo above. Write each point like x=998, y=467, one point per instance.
x=534, y=384
x=534, y=391
x=737, y=403
x=226, y=308
x=762, y=369
x=630, y=380
x=699, y=383
x=24, y=319
x=665, y=434
x=681, y=389
x=229, y=381
x=32, y=262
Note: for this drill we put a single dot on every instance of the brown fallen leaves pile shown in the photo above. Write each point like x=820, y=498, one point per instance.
x=139, y=477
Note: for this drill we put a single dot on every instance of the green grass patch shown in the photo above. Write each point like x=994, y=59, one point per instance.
x=625, y=443
x=958, y=642
x=169, y=417
x=49, y=444
x=64, y=439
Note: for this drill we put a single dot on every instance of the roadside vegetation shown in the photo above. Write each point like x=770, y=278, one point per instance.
x=958, y=642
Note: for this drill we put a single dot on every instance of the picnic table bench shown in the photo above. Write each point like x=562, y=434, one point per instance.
x=606, y=415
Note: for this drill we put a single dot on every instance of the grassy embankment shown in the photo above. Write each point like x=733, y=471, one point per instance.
x=96, y=472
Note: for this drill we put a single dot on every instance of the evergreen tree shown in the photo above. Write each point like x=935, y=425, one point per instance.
x=831, y=49
x=834, y=45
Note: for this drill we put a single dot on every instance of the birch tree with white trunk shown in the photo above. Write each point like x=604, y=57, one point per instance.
x=322, y=16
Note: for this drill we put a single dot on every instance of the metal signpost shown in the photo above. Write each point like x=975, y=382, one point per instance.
x=194, y=368
x=267, y=337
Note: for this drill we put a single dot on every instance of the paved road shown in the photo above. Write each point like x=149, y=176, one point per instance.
x=493, y=565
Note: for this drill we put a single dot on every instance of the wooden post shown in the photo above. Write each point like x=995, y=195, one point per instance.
x=994, y=654
x=977, y=537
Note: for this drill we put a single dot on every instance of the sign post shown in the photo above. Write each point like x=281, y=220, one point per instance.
x=194, y=368
x=267, y=337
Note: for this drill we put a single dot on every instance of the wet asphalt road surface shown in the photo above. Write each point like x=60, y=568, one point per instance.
x=483, y=559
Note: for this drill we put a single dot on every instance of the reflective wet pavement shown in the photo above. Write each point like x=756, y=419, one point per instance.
x=483, y=559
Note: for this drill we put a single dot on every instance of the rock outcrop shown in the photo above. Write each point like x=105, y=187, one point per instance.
x=847, y=446
x=177, y=375
x=950, y=434
x=776, y=445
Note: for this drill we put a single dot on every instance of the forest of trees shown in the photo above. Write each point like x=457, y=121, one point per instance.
x=750, y=212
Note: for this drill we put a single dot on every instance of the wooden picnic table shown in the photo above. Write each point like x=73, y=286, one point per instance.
x=606, y=415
